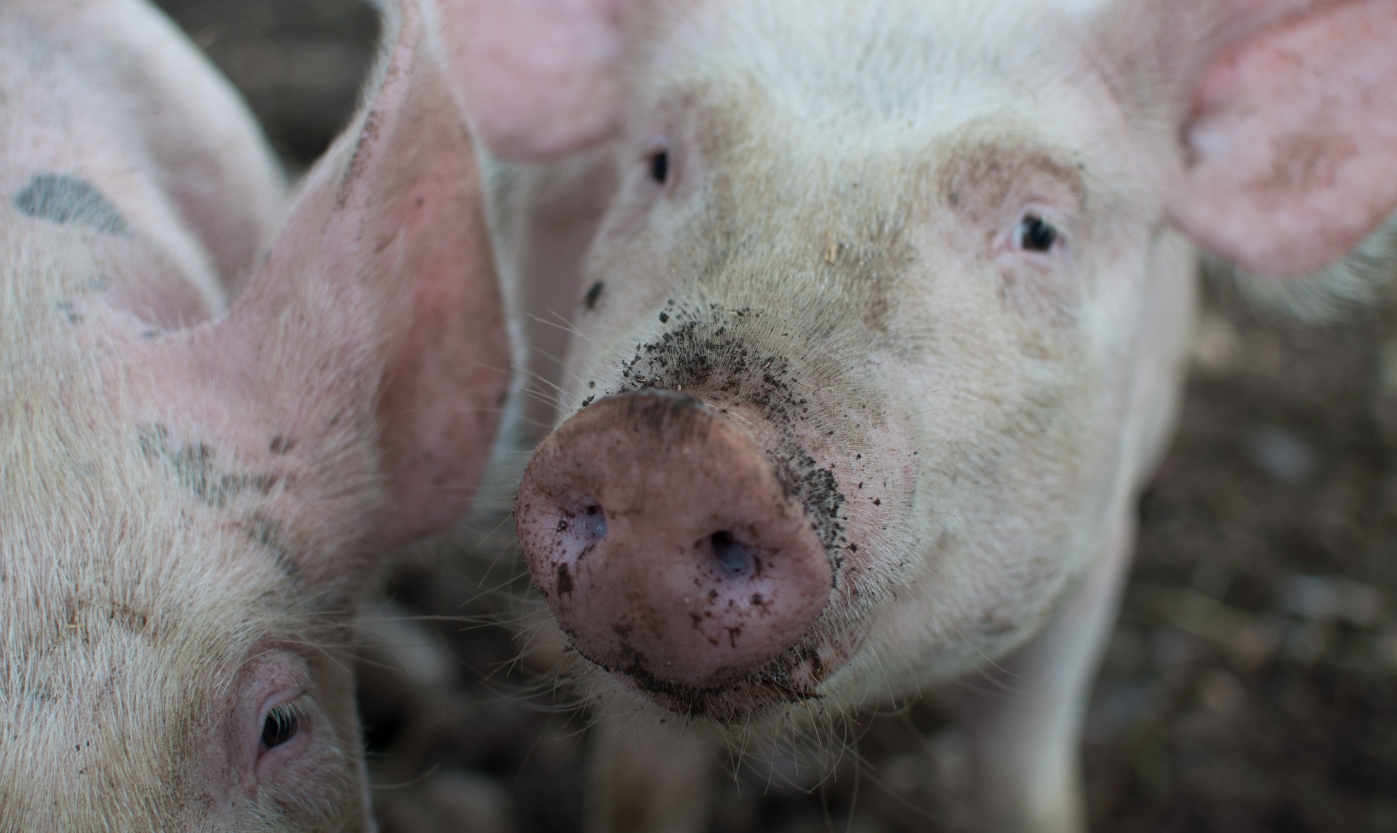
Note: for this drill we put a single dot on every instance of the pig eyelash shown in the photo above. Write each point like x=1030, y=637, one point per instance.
x=282, y=724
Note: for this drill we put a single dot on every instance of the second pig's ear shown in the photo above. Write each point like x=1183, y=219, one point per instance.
x=1292, y=141
x=538, y=75
x=374, y=332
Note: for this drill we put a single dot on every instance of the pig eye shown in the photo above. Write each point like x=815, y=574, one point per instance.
x=659, y=166
x=1036, y=234
x=281, y=725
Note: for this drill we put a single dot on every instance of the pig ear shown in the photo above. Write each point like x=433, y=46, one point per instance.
x=376, y=320
x=538, y=75
x=1292, y=141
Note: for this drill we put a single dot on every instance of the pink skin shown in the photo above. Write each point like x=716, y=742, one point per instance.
x=1294, y=137
x=567, y=48
x=666, y=544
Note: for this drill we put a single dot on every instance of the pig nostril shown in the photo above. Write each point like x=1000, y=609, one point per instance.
x=732, y=555
x=583, y=528
x=594, y=523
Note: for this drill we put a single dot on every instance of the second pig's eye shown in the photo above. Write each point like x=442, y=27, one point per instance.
x=1036, y=234
x=281, y=725
x=659, y=166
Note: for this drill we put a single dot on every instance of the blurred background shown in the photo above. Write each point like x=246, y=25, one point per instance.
x=1251, y=684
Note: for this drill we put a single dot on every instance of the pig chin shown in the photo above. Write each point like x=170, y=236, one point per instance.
x=696, y=551
x=793, y=677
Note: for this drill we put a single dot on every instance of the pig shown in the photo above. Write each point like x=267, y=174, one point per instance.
x=217, y=413
x=859, y=326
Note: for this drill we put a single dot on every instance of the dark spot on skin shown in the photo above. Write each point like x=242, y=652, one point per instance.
x=193, y=466
x=281, y=445
x=1306, y=162
x=664, y=318
x=149, y=334
x=130, y=618
x=153, y=440
x=64, y=199
x=593, y=295
x=266, y=532
x=66, y=308
x=564, y=579
x=589, y=400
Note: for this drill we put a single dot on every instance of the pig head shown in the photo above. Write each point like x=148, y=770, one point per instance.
x=213, y=421
x=880, y=312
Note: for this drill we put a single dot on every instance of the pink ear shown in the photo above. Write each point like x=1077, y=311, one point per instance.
x=374, y=332
x=537, y=74
x=1293, y=139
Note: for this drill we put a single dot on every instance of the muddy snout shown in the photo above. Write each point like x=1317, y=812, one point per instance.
x=666, y=545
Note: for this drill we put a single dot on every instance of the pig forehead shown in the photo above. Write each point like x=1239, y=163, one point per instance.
x=114, y=581
x=883, y=81
x=910, y=55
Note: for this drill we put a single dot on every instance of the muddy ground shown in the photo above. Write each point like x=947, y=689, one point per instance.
x=1251, y=684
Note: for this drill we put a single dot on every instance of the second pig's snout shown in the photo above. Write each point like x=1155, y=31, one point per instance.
x=667, y=545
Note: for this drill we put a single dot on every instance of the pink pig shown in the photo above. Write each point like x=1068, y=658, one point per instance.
x=880, y=315
x=214, y=420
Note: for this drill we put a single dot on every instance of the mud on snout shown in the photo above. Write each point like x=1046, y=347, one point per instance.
x=684, y=534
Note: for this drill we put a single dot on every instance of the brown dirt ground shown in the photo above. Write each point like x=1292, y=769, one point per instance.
x=1251, y=684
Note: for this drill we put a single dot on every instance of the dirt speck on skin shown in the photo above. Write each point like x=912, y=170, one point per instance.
x=1250, y=685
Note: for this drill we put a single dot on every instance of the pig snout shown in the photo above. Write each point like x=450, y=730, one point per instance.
x=667, y=545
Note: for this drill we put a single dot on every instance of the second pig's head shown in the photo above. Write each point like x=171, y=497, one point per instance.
x=194, y=501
